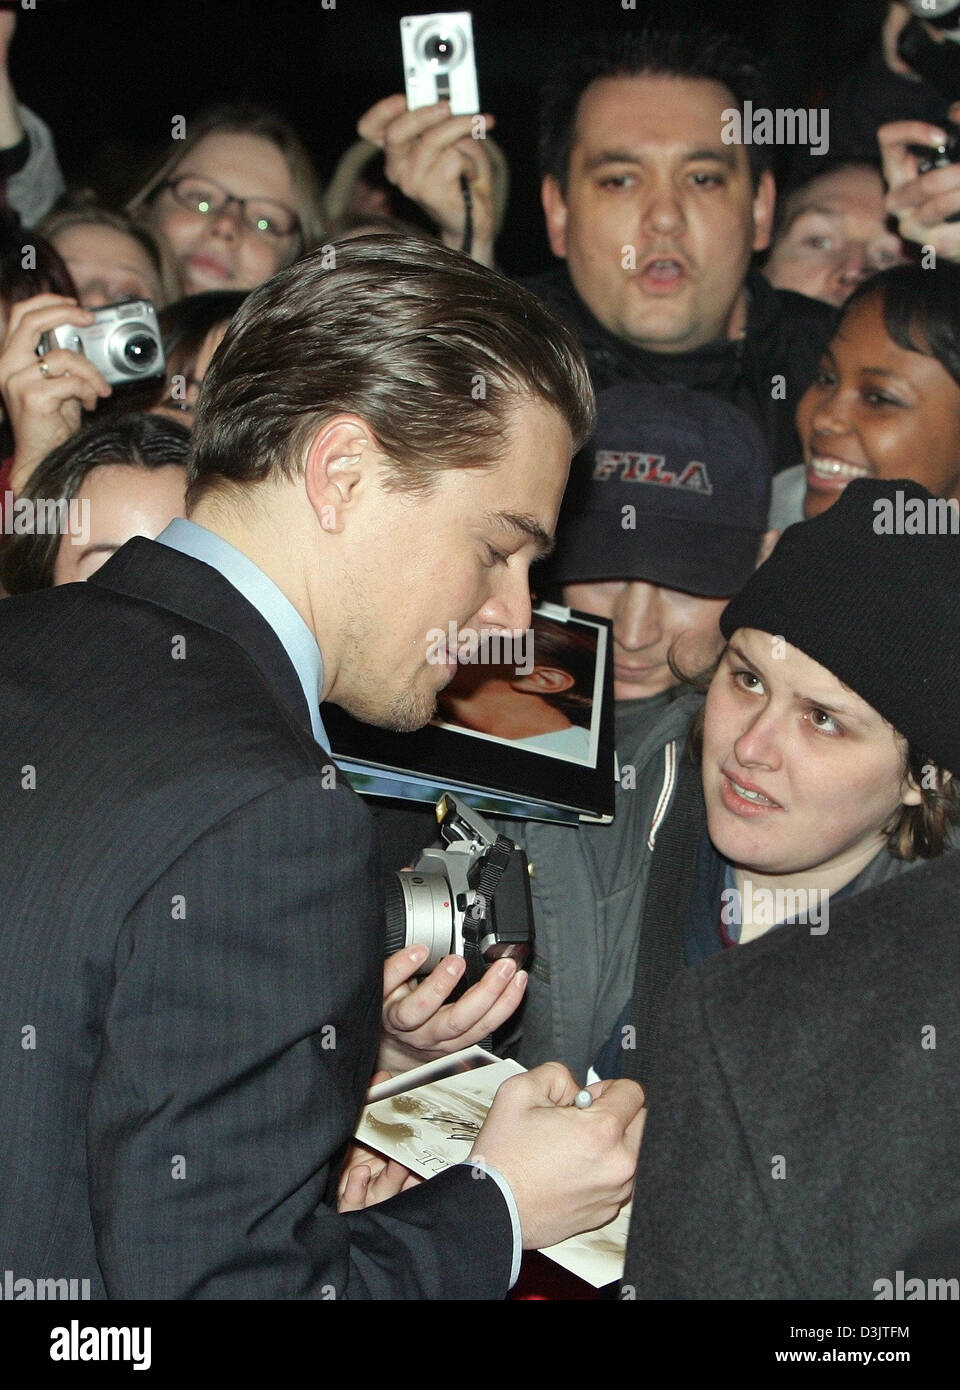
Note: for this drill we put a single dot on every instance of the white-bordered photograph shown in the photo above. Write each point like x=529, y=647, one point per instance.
x=546, y=697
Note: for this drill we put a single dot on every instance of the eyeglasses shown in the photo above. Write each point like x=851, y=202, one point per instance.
x=205, y=196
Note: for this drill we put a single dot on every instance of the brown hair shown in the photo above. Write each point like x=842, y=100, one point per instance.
x=568, y=649
x=432, y=350
x=27, y=559
x=48, y=273
x=265, y=125
x=80, y=211
x=914, y=832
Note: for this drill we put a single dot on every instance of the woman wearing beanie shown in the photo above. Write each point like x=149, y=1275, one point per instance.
x=819, y=764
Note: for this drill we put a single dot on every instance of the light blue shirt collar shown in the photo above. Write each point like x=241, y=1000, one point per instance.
x=270, y=602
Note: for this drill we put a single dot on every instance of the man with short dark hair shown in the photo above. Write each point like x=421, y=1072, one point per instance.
x=655, y=212
x=193, y=928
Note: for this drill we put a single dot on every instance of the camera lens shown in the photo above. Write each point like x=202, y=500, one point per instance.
x=419, y=912
x=439, y=50
x=140, y=351
x=134, y=350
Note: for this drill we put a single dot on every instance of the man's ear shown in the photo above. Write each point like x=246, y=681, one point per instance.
x=336, y=462
x=555, y=212
x=764, y=204
x=544, y=680
x=770, y=539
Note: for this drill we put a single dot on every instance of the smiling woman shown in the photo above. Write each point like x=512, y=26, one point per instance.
x=237, y=200
x=886, y=401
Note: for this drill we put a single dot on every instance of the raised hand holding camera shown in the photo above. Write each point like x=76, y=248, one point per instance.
x=121, y=340
x=429, y=136
x=45, y=397
x=438, y=61
x=923, y=178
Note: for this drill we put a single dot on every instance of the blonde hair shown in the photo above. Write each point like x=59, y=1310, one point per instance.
x=82, y=211
x=264, y=125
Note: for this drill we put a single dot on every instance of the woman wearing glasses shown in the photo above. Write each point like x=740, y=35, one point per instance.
x=237, y=200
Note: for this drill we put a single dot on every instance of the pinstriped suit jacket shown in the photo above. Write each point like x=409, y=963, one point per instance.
x=191, y=947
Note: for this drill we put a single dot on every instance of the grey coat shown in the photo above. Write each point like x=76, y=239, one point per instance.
x=38, y=185
x=588, y=890
x=803, y=1125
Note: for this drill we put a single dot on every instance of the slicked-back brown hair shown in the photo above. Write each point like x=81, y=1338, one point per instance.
x=431, y=350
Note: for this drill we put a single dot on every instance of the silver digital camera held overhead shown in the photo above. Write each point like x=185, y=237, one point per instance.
x=123, y=342
x=438, y=61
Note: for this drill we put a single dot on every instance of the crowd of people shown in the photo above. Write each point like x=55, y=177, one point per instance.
x=755, y=368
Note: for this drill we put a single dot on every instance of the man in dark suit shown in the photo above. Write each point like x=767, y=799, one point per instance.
x=803, y=1120
x=192, y=930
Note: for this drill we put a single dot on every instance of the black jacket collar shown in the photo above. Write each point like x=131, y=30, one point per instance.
x=612, y=356
x=708, y=367
x=158, y=574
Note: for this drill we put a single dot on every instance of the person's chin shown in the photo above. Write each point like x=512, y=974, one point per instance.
x=740, y=848
x=740, y=839
x=815, y=503
x=836, y=298
x=642, y=688
x=204, y=273
x=407, y=719
x=402, y=709
x=659, y=326
x=410, y=709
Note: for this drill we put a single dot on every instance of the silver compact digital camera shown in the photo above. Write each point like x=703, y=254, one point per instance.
x=123, y=342
x=438, y=61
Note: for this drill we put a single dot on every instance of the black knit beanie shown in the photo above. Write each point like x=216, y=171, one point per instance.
x=870, y=589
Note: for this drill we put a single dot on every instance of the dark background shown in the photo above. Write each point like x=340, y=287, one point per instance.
x=109, y=75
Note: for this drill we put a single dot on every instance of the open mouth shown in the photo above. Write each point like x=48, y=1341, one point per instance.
x=833, y=473
x=663, y=273
x=741, y=799
x=206, y=266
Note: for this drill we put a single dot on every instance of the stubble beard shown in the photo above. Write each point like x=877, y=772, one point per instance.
x=405, y=710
